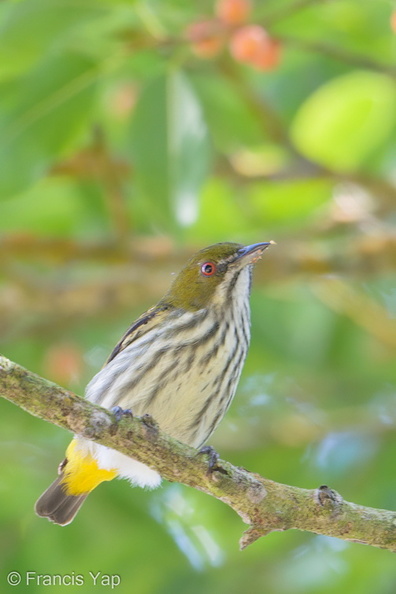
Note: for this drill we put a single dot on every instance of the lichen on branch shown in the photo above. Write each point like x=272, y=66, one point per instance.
x=263, y=504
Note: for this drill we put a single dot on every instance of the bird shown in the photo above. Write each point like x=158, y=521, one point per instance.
x=179, y=362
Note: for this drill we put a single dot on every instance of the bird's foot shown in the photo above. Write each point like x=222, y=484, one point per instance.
x=213, y=457
x=120, y=413
x=149, y=421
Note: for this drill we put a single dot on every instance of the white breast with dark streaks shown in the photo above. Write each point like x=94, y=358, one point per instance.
x=183, y=372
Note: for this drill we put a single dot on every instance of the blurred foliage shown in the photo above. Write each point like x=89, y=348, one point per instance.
x=126, y=144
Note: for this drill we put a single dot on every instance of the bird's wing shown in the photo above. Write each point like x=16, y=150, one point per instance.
x=142, y=325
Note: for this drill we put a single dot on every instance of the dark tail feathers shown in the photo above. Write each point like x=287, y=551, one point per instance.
x=57, y=506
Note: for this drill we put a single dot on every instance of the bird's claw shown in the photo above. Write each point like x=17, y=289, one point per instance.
x=120, y=413
x=213, y=457
x=149, y=421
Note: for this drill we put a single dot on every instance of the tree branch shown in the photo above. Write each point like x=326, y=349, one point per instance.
x=263, y=504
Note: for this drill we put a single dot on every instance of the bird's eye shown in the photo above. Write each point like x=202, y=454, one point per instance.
x=208, y=269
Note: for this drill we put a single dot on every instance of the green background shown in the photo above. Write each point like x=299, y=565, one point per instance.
x=121, y=153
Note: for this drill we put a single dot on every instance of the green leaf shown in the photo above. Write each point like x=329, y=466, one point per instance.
x=345, y=120
x=288, y=202
x=29, y=30
x=170, y=148
x=229, y=117
x=50, y=107
x=36, y=211
x=221, y=217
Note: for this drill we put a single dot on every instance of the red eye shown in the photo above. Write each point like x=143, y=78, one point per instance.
x=208, y=269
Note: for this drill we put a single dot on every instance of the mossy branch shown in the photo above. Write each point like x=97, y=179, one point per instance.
x=263, y=504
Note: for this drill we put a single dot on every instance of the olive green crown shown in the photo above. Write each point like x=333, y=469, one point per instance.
x=192, y=289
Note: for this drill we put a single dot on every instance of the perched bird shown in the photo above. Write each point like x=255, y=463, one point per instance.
x=180, y=362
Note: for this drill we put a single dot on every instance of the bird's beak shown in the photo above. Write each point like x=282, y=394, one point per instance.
x=250, y=254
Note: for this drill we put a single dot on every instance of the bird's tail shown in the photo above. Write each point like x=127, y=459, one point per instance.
x=79, y=475
x=56, y=505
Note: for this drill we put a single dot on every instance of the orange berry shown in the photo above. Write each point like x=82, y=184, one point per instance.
x=206, y=38
x=252, y=45
x=123, y=99
x=269, y=57
x=63, y=363
x=393, y=21
x=246, y=42
x=233, y=12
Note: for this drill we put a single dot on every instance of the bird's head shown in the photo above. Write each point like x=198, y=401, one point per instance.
x=214, y=275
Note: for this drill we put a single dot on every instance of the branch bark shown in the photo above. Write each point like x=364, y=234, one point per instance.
x=265, y=505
